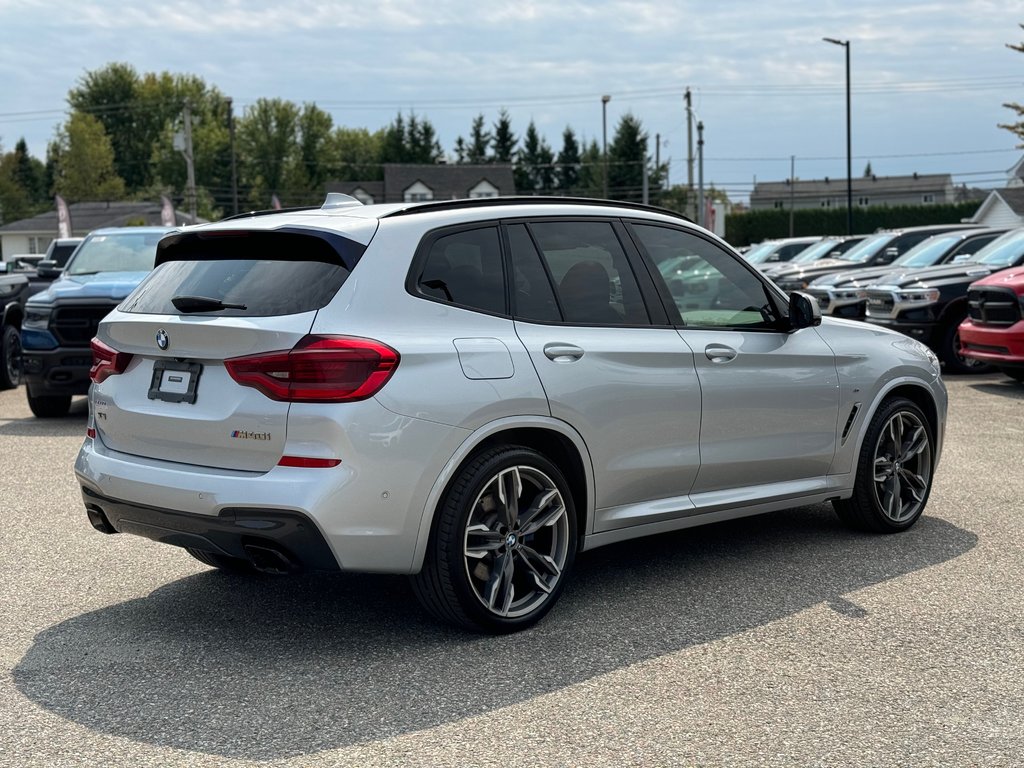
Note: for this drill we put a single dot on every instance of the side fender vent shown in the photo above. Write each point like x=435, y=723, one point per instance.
x=849, y=422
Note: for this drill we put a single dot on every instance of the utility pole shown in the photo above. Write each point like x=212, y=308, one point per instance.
x=792, y=187
x=190, y=191
x=689, y=145
x=183, y=143
x=234, y=167
x=646, y=195
x=604, y=139
x=657, y=153
x=700, y=173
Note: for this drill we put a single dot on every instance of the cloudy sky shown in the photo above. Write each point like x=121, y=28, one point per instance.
x=929, y=78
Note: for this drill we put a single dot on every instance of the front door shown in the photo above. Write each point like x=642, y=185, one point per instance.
x=770, y=396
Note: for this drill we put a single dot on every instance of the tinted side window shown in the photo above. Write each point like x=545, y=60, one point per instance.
x=708, y=285
x=593, y=279
x=465, y=268
x=532, y=295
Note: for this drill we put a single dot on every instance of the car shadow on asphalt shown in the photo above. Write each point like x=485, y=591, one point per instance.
x=1006, y=387
x=62, y=426
x=268, y=668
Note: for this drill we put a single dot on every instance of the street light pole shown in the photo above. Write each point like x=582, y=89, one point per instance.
x=849, y=155
x=604, y=139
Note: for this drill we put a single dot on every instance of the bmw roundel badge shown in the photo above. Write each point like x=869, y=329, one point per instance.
x=162, y=339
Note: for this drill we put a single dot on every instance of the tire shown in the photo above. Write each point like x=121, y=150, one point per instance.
x=891, y=487
x=224, y=563
x=10, y=369
x=951, y=357
x=492, y=566
x=49, y=406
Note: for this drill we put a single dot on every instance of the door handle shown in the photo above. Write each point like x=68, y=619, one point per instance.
x=563, y=353
x=719, y=353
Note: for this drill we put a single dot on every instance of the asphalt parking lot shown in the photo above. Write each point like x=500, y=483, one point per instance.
x=778, y=640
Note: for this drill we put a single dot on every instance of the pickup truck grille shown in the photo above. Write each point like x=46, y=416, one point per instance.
x=993, y=306
x=880, y=303
x=76, y=325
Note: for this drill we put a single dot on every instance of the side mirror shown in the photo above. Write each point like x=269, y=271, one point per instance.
x=889, y=255
x=804, y=311
x=48, y=268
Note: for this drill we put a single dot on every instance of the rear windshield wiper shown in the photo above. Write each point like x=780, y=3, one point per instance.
x=202, y=304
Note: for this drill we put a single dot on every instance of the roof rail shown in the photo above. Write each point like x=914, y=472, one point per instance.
x=270, y=211
x=498, y=202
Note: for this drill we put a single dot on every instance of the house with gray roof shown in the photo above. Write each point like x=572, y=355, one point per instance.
x=33, y=235
x=916, y=189
x=1002, y=208
x=417, y=183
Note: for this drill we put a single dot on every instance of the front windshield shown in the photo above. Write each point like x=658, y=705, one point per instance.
x=868, y=247
x=1003, y=251
x=115, y=252
x=760, y=252
x=815, y=252
x=927, y=252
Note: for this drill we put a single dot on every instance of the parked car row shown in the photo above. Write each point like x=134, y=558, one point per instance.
x=930, y=283
x=20, y=278
x=59, y=322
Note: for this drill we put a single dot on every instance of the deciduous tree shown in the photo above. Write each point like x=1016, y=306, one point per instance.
x=84, y=162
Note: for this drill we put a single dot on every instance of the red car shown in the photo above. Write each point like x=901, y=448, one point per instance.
x=994, y=329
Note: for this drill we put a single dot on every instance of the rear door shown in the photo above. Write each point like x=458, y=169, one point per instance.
x=175, y=400
x=616, y=372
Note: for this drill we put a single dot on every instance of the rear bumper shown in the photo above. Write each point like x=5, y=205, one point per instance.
x=1001, y=346
x=268, y=537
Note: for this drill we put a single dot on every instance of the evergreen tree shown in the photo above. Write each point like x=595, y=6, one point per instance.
x=503, y=141
x=479, y=142
x=568, y=172
x=525, y=171
x=394, y=142
x=422, y=143
x=15, y=199
x=461, y=150
x=627, y=158
x=591, y=179
x=29, y=174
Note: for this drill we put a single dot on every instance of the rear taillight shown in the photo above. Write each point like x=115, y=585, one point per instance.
x=320, y=369
x=106, y=361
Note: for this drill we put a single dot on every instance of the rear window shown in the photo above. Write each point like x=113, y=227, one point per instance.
x=61, y=253
x=265, y=273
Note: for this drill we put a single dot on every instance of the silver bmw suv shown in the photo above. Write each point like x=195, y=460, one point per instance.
x=472, y=392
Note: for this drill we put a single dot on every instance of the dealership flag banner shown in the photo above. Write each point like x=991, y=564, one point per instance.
x=166, y=211
x=63, y=218
x=275, y=203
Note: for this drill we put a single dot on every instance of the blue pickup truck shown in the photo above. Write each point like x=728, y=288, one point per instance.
x=59, y=322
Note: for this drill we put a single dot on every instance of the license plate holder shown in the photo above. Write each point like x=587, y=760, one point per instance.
x=175, y=381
